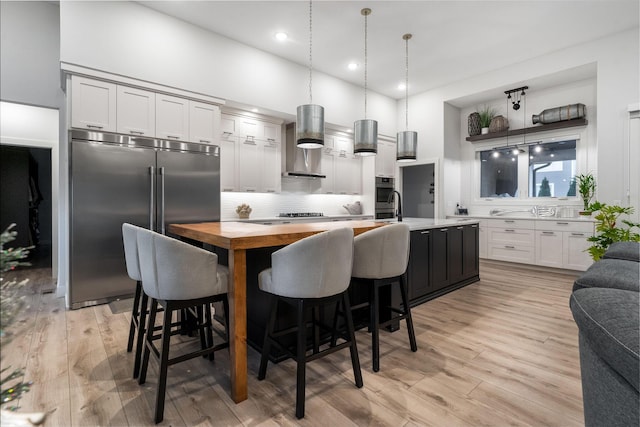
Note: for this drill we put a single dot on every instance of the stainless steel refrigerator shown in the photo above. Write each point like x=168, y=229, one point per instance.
x=147, y=182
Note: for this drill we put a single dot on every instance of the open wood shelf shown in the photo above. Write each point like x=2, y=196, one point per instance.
x=533, y=129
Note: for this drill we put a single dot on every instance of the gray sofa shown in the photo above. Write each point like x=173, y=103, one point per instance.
x=606, y=307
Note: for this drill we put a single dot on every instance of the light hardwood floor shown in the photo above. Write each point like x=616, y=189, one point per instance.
x=500, y=352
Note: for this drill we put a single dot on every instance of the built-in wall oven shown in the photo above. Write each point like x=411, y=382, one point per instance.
x=384, y=206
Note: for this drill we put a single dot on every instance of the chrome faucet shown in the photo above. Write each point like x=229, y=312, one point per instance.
x=390, y=199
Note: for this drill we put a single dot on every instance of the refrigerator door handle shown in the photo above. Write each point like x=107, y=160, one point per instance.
x=152, y=198
x=161, y=201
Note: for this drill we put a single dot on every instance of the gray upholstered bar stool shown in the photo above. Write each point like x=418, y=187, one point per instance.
x=178, y=276
x=140, y=303
x=310, y=273
x=380, y=257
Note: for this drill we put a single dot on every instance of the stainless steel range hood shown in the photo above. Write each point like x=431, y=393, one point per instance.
x=300, y=162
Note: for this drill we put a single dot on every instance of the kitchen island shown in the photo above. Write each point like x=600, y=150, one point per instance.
x=247, y=248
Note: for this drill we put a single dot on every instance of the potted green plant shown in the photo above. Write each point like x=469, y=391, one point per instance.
x=608, y=230
x=587, y=188
x=486, y=114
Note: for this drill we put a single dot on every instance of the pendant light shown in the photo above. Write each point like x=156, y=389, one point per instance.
x=310, y=117
x=407, y=141
x=365, y=140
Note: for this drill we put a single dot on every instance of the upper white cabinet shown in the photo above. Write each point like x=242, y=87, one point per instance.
x=172, y=117
x=386, y=159
x=136, y=111
x=342, y=168
x=93, y=104
x=204, y=122
x=110, y=107
x=251, y=153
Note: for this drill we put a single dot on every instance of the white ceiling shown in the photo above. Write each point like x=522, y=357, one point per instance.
x=452, y=40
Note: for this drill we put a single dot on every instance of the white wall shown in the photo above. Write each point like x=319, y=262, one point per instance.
x=30, y=52
x=132, y=40
x=617, y=86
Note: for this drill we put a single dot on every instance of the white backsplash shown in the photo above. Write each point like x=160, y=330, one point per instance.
x=266, y=205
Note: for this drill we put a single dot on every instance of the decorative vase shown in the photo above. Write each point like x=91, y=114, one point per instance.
x=474, y=124
x=484, y=131
x=559, y=114
x=498, y=124
x=243, y=215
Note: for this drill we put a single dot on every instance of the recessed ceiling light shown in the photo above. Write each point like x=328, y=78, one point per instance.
x=402, y=86
x=281, y=36
x=352, y=66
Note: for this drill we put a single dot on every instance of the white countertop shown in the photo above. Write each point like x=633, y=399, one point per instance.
x=524, y=216
x=427, y=223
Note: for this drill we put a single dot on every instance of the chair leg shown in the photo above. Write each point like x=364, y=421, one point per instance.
x=200, y=326
x=164, y=364
x=407, y=309
x=135, y=316
x=355, y=360
x=374, y=314
x=301, y=360
x=334, y=330
x=266, y=345
x=142, y=329
x=149, y=341
x=225, y=307
x=315, y=313
x=209, y=329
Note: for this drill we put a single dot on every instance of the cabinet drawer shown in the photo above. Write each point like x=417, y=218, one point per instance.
x=560, y=225
x=510, y=236
x=513, y=253
x=512, y=223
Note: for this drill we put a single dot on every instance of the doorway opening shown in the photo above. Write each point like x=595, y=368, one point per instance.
x=419, y=190
x=26, y=189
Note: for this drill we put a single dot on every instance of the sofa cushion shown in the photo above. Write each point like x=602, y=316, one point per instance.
x=624, y=250
x=610, y=273
x=609, y=320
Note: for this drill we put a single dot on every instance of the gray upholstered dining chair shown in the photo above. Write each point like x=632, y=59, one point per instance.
x=380, y=259
x=178, y=276
x=140, y=303
x=310, y=273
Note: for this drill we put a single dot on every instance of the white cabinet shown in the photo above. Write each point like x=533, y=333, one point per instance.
x=93, y=104
x=252, y=162
x=270, y=181
x=347, y=167
x=482, y=239
x=563, y=244
x=386, y=159
x=511, y=240
x=228, y=163
x=575, y=246
x=172, y=117
x=549, y=248
x=327, y=168
x=136, y=111
x=204, y=122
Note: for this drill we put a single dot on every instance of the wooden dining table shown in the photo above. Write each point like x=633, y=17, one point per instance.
x=237, y=238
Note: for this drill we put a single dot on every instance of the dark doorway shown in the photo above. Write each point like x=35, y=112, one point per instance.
x=418, y=191
x=25, y=199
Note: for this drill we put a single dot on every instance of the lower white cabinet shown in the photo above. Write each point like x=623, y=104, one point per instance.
x=546, y=242
x=483, y=239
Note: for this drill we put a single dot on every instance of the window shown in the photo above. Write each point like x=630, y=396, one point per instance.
x=551, y=170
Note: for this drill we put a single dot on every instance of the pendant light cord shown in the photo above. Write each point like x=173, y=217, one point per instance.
x=310, y=51
x=406, y=37
x=365, y=64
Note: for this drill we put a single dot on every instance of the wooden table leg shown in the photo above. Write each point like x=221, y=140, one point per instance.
x=238, y=323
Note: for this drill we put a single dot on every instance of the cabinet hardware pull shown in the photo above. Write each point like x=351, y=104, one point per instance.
x=271, y=139
x=94, y=127
x=227, y=189
x=444, y=229
x=286, y=222
x=173, y=137
x=577, y=234
x=474, y=226
x=267, y=223
x=271, y=191
x=334, y=220
x=136, y=132
x=424, y=232
x=459, y=228
x=249, y=142
x=204, y=141
x=510, y=221
x=509, y=247
x=226, y=133
x=562, y=223
x=509, y=231
x=548, y=232
x=249, y=190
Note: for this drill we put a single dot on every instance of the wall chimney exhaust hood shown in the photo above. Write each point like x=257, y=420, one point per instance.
x=301, y=162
